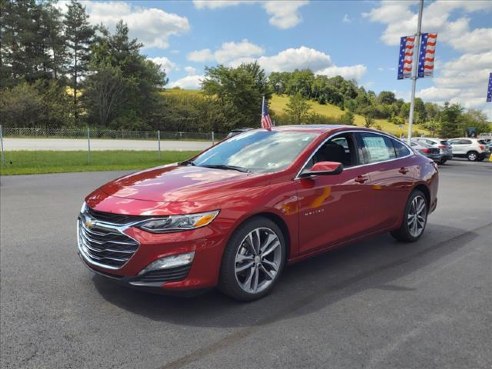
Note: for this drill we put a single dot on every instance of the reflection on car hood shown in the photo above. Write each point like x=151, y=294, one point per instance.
x=177, y=183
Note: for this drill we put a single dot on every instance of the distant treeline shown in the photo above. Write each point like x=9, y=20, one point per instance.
x=58, y=70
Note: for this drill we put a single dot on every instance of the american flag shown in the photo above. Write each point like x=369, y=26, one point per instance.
x=426, y=57
x=266, y=121
x=407, y=44
x=489, y=90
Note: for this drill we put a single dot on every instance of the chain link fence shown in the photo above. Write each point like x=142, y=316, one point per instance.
x=33, y=144
x=107, y=134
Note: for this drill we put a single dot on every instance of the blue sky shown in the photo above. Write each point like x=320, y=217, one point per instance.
x=356, y=39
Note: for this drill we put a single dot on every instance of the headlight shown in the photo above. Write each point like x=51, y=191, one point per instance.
x=175, y=223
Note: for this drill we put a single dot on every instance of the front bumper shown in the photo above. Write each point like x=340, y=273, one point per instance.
x=206, y=243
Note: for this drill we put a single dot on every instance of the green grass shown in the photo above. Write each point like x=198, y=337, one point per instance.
x=38, y=162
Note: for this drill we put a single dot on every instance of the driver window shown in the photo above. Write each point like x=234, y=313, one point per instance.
x=340, y=149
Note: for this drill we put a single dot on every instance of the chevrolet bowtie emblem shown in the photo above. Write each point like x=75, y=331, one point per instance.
x=89, y=223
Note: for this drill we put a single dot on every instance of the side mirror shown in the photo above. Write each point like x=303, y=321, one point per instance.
x=323, y=168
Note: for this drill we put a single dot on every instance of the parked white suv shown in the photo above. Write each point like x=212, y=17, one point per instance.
x=473, y=149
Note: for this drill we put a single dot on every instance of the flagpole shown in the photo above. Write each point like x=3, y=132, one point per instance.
x=416, y=55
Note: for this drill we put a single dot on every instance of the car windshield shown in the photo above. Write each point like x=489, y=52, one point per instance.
x=256, y=151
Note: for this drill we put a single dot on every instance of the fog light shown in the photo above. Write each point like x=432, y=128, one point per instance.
x=169, y=262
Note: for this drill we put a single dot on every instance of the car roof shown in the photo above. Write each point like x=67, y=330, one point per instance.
x=318, y=128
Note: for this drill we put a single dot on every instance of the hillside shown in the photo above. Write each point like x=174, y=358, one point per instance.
x=278, y=104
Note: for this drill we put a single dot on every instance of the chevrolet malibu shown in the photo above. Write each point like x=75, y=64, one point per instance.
x=236, y=214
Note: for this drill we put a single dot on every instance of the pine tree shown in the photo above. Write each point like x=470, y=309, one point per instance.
x=79, y=36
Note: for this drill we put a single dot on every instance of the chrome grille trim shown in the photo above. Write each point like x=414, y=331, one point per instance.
x=104, y=244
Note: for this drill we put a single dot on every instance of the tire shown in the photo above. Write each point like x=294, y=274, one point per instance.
x=481, y=158
x=414, y=218
x=472, y=156
x=443, y=161
x=253, y=260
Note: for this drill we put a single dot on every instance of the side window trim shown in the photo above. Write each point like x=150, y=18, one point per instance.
x=354, y=136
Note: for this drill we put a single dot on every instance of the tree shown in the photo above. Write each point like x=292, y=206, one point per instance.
x=239, y=91
x=121, y=91
x=368, y=114
x=298, y=109
x=29, y=31
x=347, y=118
x=451, y=119
x=79, y=37
x=386, y=98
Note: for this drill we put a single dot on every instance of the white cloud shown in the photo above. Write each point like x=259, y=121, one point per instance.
x=151, y=26
x=230, y=53
x=463, y=81
x=401, y=18
x=283, y=14
x=190, y=71
x=350, y=72
x=201, y=56
x=478, y=40
x=233, y=54
x=165, y=64
x=346, y=19
x=193, y=82
x=215, y=4
x=291, y=59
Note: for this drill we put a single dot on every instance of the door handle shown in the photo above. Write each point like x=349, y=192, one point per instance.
x=403, y=170
x=361, y=179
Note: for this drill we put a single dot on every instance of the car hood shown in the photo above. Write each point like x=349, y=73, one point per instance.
x=177, y=183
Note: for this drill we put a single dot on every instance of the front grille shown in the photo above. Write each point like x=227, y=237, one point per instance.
x=104, y=244
x=119, y=219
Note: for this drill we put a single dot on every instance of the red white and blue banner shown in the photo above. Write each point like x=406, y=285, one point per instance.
x=489, y=90
x=266, y=121
x=407, y=44
x=426, y=54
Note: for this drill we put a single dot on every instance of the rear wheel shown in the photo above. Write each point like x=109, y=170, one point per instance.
x=414, y=218
x=472, y=156
x=443, y=161
x=253, y=260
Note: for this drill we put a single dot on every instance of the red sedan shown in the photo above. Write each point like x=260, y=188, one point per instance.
x=234, y=215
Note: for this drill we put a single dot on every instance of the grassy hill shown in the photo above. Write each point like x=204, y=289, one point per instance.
x=278, y=104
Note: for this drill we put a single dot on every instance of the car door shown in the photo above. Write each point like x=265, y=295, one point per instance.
x=333, y=208
x=391, y=177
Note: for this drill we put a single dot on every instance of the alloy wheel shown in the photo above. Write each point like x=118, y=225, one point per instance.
x=258, y=260
x=417, y=216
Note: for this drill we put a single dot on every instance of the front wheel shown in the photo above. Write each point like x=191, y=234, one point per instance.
x=414, y=218
x=253, y=260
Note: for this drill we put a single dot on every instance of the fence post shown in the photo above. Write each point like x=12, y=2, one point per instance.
x=159, y=143
x=88, y=145
x=213, y=138
x=1, y=146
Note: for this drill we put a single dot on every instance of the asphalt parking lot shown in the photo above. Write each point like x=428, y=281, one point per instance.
x=374, y=304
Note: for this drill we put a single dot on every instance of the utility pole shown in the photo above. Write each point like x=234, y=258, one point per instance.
x=415, y=62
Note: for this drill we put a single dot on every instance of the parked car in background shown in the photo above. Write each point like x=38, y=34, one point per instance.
x=444, y=147
x=473, y=149
x=237, y=213
x=427, y=150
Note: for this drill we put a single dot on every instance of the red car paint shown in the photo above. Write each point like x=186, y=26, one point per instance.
x=316, y=213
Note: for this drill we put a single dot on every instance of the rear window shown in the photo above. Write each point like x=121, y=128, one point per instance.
x=443, y=142
x=483, y=142
x=400, y=149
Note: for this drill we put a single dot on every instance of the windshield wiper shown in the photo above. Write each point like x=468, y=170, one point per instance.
x=223, y=166
x=187, y=162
